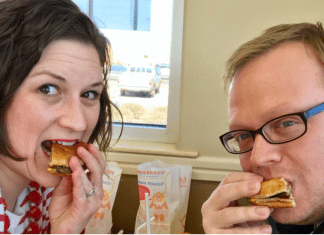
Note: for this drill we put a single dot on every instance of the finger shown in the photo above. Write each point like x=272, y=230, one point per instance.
x=237, y=229
x=239, y=177
x=255, y=223
x=96, y=171
x=98, y=155
x=264, y=229
x=225, y=194
x=230, y=216
x=64, y=187
x=81, y=183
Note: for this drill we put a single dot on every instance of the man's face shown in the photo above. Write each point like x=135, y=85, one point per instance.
x=287, y=79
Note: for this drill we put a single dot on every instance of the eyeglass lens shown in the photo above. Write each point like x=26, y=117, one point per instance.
x=279, y=130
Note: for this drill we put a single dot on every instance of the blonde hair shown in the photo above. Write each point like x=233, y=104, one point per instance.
x=310, y=34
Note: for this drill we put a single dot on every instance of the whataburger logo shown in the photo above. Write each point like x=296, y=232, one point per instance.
x=150, y=172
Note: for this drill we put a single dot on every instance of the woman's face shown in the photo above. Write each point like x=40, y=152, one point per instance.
x=59, y=100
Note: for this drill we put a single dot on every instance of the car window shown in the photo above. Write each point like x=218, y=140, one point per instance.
x=157, y=70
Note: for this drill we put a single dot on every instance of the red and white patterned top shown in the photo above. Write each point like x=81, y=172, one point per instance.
x=30, y=213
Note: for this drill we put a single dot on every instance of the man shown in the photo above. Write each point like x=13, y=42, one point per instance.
x=275, y=79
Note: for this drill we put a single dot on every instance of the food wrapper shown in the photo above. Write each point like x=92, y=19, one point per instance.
x=168, y=186
x=101, y=222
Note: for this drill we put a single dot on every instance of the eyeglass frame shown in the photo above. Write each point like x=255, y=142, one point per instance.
x=304, y=116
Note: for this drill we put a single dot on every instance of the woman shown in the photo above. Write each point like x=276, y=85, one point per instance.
x=53, y=87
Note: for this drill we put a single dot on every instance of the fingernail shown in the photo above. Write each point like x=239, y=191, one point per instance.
x=257, y=178
x=81, y=151
x=73, y=161
x=253, y=185
x=261, y=211
x=265, y=229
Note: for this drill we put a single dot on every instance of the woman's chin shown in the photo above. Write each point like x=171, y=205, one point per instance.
x=50, y=181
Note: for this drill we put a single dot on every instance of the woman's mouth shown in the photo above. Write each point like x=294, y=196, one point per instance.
x=47, y=145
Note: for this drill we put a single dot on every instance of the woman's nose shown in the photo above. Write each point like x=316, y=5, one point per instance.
x=72, y=116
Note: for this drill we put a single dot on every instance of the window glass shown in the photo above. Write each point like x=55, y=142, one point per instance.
x=83, y=5
x=122, y=14
x=139, y=80
x=140, y=34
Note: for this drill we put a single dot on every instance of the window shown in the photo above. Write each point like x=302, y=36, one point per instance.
x=122, y=14
x=146, y=38
x=83, y=5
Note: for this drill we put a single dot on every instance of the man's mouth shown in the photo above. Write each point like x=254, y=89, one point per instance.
x=47, y=145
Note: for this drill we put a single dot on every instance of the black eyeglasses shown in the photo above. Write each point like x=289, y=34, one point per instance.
x=280, y=130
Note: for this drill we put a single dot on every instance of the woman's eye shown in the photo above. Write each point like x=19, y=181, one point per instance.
x=92, y=95
x=49, y=89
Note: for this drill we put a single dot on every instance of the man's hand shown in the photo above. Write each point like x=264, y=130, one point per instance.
x=222, y=214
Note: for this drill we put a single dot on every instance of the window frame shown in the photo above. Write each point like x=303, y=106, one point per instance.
x=171, y=132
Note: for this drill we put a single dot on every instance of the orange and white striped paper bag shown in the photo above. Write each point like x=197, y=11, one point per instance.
x=168, y=187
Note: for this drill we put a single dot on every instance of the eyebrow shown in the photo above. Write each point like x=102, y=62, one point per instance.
x=61, y=78
x=274, y=112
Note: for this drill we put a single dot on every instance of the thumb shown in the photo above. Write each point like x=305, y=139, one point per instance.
x=255, y=223
x=64, y=187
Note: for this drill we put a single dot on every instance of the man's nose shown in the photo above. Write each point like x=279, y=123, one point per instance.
x=263, y=152
x=72, y=116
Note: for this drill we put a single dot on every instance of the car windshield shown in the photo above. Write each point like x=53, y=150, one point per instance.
x=118, y=68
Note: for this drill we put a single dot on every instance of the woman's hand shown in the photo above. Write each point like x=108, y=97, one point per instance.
x=70, y=209
x=222, y=214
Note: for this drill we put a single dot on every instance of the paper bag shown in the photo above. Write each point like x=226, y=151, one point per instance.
x=168, y=186
x=101, y=222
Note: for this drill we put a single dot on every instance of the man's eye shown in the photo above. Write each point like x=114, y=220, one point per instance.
x=287, y=123
x=92, y=95
x=49, y=89
x=242, y=137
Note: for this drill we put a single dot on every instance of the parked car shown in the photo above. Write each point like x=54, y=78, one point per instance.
x=165, y=71
x=140, y=79
x=116, y=71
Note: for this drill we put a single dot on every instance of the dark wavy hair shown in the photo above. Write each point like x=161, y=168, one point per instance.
x=26, y=28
